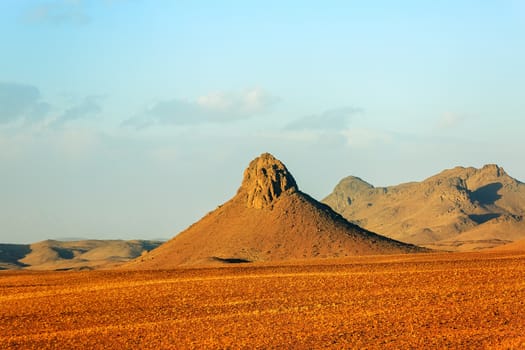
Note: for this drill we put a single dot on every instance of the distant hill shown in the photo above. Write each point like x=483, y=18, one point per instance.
x=268, y=219
x=68, y=255
x=460, y=209
x=517, y=246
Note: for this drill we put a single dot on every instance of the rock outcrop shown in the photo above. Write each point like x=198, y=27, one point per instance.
x=265, y=179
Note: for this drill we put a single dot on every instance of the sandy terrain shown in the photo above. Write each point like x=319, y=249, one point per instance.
x=426, y=301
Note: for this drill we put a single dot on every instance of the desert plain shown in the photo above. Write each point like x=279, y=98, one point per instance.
x=470, y=300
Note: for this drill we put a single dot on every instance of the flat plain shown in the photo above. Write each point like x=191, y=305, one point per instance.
x=427, y=301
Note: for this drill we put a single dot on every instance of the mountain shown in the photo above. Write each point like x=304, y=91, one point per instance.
x=459, y=209
x=68, y=255
x=268, y=219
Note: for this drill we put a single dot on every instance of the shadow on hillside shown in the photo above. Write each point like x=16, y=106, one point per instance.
x=150, y=245
x=483, y=218
x=64, y=253
x=488, y=194
x=11, y=253
x=231, y=260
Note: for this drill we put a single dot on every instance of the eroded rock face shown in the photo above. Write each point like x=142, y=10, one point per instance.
x=265, y=179
x=492, y=169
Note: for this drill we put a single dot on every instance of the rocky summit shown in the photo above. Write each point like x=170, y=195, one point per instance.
x=265, y=179
x=268, y=219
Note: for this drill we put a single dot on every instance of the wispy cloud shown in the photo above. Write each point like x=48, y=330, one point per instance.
x=218, y=107
x=88, y=107
x=334, y=119
x=59, y=12
x=332, y=128
x=364, y=137
x=354, y=138
x=23, y=105
x=21, y=102
x=450, y=120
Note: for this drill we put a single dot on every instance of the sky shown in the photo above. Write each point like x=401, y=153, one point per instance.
x=133, y=119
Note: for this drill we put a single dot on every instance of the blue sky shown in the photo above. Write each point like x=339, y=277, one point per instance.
x=133, y=119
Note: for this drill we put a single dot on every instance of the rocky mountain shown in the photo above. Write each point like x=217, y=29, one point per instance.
x=459, y=209
x=269, y=219
x=71, y=255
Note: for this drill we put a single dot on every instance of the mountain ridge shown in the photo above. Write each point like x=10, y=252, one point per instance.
x=444, y=211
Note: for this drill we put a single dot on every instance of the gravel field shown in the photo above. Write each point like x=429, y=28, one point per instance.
x=460, y=300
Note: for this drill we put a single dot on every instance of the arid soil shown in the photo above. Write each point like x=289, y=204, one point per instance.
x=423, y=301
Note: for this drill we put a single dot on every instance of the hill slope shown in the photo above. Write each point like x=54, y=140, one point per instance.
x=517, y=246
x=268, y=219
x=457, y=209
x=67, y=255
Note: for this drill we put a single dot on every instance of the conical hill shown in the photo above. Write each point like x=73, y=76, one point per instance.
x=269, y=219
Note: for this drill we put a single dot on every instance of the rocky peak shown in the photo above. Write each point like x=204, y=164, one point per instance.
x=353, y=183
x=265, y=179
x=493, y=169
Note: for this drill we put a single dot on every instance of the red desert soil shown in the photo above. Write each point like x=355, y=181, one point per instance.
x=425, y=301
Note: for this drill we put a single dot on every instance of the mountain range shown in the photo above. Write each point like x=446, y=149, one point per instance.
x=459, y=209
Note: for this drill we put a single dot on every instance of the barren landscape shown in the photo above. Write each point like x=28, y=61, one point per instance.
x=270, y=268
x=262, y=175
x=460, y=300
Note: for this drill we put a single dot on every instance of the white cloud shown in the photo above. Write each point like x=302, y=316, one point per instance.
x=363, y=138
x=247, y=102
x=352, y=138
x=330, y=128
x=294, y=135
x=88, y=107
x=333, y=119
x=59, y=12
x=217, y=107
x=450, y=120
